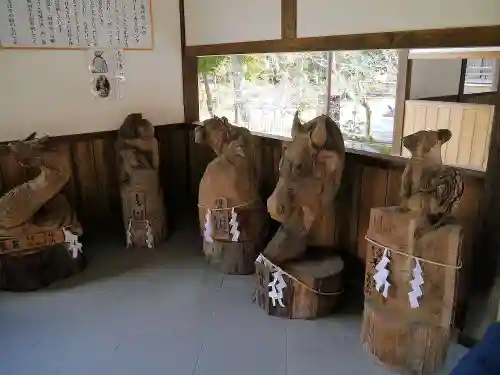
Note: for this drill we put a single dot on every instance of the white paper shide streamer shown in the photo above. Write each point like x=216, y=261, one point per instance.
x=277, y=284
x=382, y=274
x=129, y=233
x=276, y=287
x=74, y=246
x=235, y=233
x=416, y=284
x=149, y=235
x=207, y=233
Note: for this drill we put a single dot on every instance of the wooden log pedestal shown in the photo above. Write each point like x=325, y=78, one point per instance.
x=410, y=340
x=144, y=214
x=37, y=261
x=234, y=255
x=312, y=290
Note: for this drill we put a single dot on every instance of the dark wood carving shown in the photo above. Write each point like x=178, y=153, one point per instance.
x=142, y=197
x=38, y=228
x=233, y=220
x=409, y=337
x=309, y=176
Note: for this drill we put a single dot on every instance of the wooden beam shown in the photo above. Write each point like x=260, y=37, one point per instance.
x=402, y=95
x=461, y=82
x=487, y=234
x=189, y=74
x=288, y=19
x=456, y=37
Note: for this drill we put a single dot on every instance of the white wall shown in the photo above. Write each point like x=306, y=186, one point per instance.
x=227, y=21
x=49, y=91
x=433, y=77
x=336, y=17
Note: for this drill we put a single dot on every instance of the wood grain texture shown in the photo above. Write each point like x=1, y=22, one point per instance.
x=437, y=38
x=288, y=19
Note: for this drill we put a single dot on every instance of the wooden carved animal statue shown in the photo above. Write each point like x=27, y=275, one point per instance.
x=233, y=174
x=142, y=196
x=427, y=184
x=137, y=150
x=36, y=204
x=232, y=217
x=310, y=171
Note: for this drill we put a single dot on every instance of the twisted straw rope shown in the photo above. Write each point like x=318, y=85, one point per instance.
x=267, y=261
x=373, y=242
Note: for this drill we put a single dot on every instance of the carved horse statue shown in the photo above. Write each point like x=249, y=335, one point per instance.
x=310, y=171
x=36, y=205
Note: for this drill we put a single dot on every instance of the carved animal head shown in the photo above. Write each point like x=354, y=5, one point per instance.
x=27, y=151
x=426, y=143
x=135, y=126
x=216, y=132
x=309, y=172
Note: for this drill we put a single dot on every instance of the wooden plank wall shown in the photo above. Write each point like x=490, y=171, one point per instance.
x=470, y=125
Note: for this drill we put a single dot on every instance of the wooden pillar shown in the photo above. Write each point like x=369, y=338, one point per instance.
x=189, y=75
x=461, y=83
x=487, y=234
x=402, y=95
x=288, y=19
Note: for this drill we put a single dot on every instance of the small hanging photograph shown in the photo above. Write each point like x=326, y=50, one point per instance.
x=107, y=73
x=103, y=86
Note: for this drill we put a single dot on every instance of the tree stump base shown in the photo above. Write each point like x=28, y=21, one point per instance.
x=232, y=258
x=405, y=337
x=37, y=269
x=315, y=294
x=404, y=347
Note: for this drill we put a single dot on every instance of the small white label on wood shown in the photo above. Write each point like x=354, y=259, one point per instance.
x=74, y=246
x=276, y=288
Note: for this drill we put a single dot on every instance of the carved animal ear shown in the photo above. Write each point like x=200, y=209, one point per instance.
x=444, y=135
x=411, y=141
x=42, y=140
x=319, y=134
x=30, y=137
x=296, y=125
x=225, y=121
x=329, y=159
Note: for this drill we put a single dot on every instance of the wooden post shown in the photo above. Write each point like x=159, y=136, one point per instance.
x=402, y=95
x=288, y=19
x=461, y=83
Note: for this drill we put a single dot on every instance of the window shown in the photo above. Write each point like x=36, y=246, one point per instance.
x=263, y=91
x=481, y=75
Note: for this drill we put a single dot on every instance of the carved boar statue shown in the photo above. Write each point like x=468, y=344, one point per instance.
x=230, y=186
x=310, y=171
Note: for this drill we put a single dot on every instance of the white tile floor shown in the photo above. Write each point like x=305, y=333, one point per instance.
x=167, y=312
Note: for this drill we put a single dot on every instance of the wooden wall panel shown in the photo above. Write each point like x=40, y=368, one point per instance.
x=470, y=125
